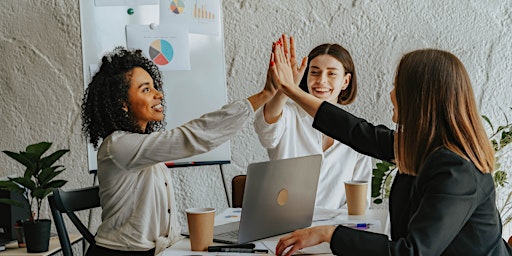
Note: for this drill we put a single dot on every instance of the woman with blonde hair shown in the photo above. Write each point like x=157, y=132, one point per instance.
x=442, y=202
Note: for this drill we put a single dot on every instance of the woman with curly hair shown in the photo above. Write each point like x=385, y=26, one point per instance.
x=442, y=202
x=123, y=116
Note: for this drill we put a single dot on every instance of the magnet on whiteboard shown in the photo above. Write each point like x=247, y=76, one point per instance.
x=152, y=26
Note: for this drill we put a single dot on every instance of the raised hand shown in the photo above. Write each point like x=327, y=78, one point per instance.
x=269, y=84
x=282, y=70
x=298, y=71
x=284, y=80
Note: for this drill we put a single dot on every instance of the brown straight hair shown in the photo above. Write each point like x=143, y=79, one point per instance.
x=436, y=108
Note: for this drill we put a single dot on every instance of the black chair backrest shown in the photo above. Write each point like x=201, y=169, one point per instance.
x=69, y=202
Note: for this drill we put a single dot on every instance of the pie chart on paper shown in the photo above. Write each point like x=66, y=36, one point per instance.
x=161, y=52
x=177, y=6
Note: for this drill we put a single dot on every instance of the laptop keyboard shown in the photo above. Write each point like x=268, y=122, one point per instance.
x=231, y=234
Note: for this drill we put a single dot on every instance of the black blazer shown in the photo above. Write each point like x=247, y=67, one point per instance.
x=448, y=209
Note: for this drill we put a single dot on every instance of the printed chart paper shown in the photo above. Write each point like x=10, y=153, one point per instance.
x=124, y=2
x=201, y=16
x=166, y=45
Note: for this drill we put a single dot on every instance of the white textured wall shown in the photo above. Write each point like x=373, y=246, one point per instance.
x=41, y=80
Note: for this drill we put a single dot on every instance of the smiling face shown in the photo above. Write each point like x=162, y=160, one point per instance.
x=145, y=101
x=327, y=78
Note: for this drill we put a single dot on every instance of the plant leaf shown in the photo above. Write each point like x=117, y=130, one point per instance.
x=41, y=193
x=55, y=184
x=49, y=173
x=500, y=178
x=10, y=186
x=11, y=202
x=506, y=138
x=24, y=182
x=20, y=158
x=488, y=121
x=38, y=149
x=49, y=160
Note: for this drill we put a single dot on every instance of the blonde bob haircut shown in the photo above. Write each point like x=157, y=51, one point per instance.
x=436, y=108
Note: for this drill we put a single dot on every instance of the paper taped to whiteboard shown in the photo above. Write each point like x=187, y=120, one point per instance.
x=124, y=2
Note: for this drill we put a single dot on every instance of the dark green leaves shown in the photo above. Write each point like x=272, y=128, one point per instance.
x=381, y=180
x=37, y=181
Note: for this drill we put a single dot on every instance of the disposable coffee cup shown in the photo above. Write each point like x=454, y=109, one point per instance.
x=200, y=227
x=356, y=196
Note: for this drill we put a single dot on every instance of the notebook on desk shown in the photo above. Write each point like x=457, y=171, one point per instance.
x=279, y=197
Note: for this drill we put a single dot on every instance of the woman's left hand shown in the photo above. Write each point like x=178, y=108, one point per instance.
x=298, y=71
x=303, y=238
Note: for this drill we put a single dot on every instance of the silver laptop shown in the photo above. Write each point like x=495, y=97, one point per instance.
x=279, y=197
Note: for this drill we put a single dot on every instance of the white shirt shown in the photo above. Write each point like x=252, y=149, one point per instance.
x=136, y=192
x=293, y=136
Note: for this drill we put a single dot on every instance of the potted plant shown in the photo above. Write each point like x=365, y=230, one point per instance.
x=35, y=185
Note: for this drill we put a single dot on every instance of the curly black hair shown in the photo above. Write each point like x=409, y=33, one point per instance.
x=107, y=93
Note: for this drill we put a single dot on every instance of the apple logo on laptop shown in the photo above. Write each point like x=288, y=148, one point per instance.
x=282, y=197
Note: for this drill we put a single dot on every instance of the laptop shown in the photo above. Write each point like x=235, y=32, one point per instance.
x=279, y=197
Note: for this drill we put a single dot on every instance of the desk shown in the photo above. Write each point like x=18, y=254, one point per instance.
x=12, y=249
x=378, y=217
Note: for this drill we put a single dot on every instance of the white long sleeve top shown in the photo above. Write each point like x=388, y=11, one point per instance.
x=136, y=190
x=293, y=136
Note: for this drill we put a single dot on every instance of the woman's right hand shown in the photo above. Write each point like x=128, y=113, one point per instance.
x=283, y=77
x=282, y=70
x=303, y=238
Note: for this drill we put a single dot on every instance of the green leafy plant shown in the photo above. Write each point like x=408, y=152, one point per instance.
x=382, y=177
x=500, y=138
x=38, y=180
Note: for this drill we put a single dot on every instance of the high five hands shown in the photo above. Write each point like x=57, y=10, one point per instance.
x=284, y=71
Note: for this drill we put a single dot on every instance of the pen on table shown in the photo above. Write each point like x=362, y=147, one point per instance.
x=216, y=248
x=243, y=250
x=358, y=225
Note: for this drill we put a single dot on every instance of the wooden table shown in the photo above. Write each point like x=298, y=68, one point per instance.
x=12, y=249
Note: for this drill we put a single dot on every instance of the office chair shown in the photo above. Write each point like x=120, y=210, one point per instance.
x=237, y=190
x=69, y=202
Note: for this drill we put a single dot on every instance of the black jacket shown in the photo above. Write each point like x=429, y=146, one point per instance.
x=448, y=209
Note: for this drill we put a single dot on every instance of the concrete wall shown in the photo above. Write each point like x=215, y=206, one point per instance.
x=41, y=82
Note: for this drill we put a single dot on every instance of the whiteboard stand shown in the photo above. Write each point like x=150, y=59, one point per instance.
x=225, y=186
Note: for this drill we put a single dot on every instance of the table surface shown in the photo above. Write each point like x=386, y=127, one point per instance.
x=12, y=249
x=377, y=217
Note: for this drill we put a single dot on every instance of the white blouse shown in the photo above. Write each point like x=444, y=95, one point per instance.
x=136, y=191
x=293, y=136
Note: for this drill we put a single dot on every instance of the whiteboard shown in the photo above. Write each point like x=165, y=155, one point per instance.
x=188, y=94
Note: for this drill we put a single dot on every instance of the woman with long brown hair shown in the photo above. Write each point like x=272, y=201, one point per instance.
x=442, y=201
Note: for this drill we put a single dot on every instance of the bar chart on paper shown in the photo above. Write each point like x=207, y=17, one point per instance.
x=201, y=12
